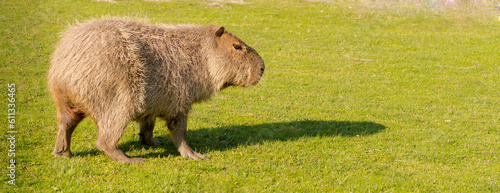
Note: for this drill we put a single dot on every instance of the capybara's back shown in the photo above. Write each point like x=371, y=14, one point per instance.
x=116, y=71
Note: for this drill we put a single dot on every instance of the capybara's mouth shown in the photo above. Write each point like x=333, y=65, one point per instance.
x=254, y=82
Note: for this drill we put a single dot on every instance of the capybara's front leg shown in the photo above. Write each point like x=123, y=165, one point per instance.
x=107, y=140
x=68, y=119
x=178, y=127
x=146, y=128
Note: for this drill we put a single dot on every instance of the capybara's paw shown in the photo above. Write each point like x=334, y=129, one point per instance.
x=153, y=142
x=157, y=142
x=63, y=154
x=133, y=160
x=190, y=154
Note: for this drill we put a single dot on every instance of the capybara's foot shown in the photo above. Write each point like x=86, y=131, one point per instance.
x=153, y=142
x=64, y=154
x=116, y=154
x=187, y=152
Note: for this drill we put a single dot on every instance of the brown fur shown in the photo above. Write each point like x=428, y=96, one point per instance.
x=116, y=71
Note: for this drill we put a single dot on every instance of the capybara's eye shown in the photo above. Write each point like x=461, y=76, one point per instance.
x=236, y=46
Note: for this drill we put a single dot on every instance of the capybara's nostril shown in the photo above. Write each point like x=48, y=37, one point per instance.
x=262, y=71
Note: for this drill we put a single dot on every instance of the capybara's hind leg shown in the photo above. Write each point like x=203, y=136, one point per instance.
x=68, y=118
x=146, y=128
x=178, y=127
x=107, y=140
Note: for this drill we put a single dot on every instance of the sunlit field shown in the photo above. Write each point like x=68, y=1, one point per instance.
x=357, y=96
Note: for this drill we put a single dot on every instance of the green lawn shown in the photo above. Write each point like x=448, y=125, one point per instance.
x=358, y=96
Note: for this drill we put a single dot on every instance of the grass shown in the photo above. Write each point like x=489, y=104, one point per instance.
x=358, y=96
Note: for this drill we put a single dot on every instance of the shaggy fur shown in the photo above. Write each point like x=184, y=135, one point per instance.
x=116, y=71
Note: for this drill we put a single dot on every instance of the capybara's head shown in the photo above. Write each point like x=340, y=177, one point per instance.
x=238, y=63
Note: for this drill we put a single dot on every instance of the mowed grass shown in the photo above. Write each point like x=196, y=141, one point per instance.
x=358, y=96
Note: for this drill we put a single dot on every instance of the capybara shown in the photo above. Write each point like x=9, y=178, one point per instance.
x=120, y=70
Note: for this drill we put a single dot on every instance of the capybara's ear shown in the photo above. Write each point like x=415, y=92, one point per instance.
x=219, y=32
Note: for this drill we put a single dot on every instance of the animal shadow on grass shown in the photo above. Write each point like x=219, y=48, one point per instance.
x=228, y=137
